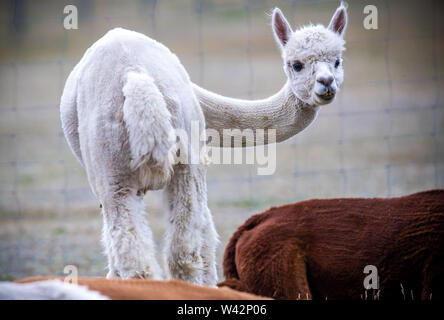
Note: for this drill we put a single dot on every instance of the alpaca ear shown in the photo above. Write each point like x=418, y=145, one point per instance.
x=281, y=28
x=339, y=21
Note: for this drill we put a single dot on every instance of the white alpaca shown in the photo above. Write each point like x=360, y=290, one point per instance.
x=47, y=290
x=121, y=103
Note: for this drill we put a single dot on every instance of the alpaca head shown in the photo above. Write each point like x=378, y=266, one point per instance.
x=312, y=56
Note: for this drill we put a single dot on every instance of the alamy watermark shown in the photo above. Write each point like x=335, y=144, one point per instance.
x=71, y=20
x=372, y=280
x=371, y=20
x=72, y=274
x=231, y=146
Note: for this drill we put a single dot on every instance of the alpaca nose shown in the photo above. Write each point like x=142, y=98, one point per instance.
x=326, y=81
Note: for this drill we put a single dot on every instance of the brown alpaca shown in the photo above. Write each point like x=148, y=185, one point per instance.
x=318, y=249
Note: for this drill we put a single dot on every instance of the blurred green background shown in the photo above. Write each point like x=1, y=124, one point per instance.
x=383, y=136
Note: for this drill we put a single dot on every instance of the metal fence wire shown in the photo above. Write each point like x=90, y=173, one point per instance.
x=383, y=136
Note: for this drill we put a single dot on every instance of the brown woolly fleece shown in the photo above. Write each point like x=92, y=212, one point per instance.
x=318, y=249
x=138, y=289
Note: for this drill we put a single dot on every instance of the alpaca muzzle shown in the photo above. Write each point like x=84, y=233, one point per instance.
x=324, y=96
x=328, y=95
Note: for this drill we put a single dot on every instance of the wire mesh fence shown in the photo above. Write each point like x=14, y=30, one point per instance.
x=383, y=135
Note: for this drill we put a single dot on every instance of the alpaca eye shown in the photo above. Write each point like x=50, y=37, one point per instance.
x=298, y=66
x=337, y=63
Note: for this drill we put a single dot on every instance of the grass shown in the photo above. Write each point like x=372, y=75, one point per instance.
x=244, y=203
x=26, y=179
x=6, y=278
x=58, y=231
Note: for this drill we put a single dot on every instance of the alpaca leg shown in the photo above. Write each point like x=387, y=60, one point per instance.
x=191, y=238
x=127, y=238
x=106, y=242
x=208, y=250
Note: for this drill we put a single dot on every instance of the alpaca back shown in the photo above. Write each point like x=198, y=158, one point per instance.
x=119, y=107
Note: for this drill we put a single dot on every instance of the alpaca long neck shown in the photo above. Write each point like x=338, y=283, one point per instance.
x=282, y=111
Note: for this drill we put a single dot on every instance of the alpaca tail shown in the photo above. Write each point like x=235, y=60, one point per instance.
x=148, y=122
x=229, y=261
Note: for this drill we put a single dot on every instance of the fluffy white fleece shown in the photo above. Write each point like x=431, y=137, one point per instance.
x=119, y=105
